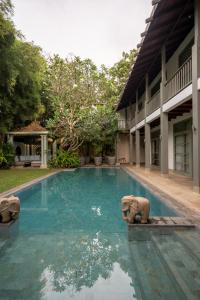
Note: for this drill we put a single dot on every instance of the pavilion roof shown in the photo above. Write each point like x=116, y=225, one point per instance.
x=34, y=127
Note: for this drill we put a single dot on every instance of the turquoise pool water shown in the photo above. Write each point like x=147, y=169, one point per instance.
x=70, y=243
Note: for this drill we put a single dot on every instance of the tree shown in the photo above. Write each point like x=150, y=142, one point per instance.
x=81, y=99
x=21, y=74
x=6, y=8
x=29, y=67
x=72, y=87
x=119, y=73
x=21, y=69
x=7, y=39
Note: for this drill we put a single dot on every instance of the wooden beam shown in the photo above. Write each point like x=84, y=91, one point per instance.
x=154, y=2
x=149, y=20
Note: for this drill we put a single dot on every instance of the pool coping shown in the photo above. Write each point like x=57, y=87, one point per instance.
x=27, y=184
x=180, y=209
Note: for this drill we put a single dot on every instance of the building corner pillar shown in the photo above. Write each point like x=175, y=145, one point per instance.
x=196, y=99
x=137, y=146
x=131, y=148
x=147, y=138
x=163, y=119
x=147, y=146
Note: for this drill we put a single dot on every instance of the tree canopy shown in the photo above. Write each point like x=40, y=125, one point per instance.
x=21, y=67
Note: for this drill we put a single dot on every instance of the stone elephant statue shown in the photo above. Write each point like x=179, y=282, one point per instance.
x=9, y=209
x=135, y=209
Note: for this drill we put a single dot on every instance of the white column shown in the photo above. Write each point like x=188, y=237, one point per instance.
x=137, y=147
x=131, y=148
x=10, y=139
x=147, y=126
x=28, y=150
x=54, y=148
x=45, y=151
x=42, y=151
x=163, y=119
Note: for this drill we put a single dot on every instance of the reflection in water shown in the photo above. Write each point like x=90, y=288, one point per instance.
x=67, y=265
x=71, y=242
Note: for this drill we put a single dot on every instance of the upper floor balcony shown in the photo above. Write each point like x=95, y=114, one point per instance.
x=141, y=115
x=125, y=125
x=180, y=80
x=154, y=103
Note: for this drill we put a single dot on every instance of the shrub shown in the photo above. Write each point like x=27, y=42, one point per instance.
x=7, y=156
x=3, y=161
x=9, y=153
x=65, y=159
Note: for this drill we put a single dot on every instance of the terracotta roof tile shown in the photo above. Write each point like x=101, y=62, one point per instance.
x=33, y=127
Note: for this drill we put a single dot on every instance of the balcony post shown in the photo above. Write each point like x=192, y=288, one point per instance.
x=196, y=98
x=147, y=127
x=163, y=118
x=137, y=135
x=137, y=147
x=131, y=148
x=136, y=109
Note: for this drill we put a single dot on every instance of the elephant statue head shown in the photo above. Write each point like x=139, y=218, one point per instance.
x=9, y=209
x=135, y=209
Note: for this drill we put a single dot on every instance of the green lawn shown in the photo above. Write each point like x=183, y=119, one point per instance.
x=14, y=177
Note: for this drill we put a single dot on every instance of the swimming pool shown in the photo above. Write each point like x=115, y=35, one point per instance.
x=71, y=243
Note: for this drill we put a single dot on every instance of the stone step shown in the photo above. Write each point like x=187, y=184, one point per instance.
x=156, y=281
x=166, y=222
x=181, y=262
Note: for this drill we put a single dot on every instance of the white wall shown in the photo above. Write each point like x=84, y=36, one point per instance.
x=123, y=147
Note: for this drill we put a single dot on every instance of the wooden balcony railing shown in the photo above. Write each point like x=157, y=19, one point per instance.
x=181, y=79
x=140, y=115
x=154, y=103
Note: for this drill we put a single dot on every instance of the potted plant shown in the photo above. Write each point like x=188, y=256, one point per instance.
x=98, y=154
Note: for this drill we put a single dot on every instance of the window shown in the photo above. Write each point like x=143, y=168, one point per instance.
x=183, y=146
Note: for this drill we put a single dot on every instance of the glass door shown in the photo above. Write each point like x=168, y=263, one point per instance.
x=155, y=150
x=182, y=153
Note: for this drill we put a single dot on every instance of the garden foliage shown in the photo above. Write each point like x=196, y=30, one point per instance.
x=7, y=156
x=65, y=159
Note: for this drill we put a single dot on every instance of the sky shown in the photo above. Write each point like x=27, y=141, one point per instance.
x=96, y=29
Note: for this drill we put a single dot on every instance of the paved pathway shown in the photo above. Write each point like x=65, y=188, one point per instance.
x=176, y=189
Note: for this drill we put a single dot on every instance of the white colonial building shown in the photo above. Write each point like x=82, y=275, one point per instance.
x=159, y=110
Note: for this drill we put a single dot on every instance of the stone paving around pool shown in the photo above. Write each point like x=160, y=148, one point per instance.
x=175, y=190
